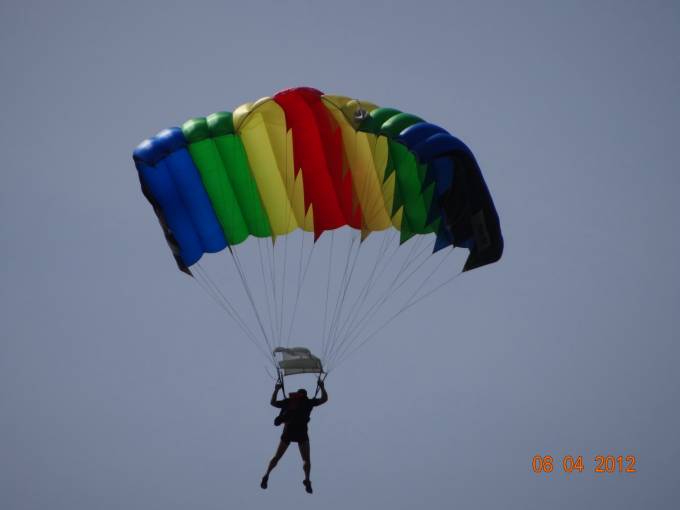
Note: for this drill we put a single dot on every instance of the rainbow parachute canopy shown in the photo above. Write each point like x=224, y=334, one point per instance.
x=306, y=160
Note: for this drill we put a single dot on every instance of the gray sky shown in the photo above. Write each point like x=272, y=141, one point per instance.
x=123, y=386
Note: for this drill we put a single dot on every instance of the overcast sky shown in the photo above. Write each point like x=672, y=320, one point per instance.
x=122, y=385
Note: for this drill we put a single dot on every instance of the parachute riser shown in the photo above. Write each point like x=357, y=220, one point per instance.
x=280, y=379
x=320, y=379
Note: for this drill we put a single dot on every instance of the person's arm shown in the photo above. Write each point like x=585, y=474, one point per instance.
x=324, y=395
x=273, y=401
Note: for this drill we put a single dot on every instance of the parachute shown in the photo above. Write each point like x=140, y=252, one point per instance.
x=374, y=199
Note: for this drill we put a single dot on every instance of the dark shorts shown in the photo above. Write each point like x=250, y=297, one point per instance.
x=293, y=434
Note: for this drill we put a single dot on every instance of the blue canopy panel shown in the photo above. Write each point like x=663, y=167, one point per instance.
x=462, y=198
x=416, y=133
x=173, y=186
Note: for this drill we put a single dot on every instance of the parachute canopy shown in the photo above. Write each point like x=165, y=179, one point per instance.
x=284, y=170
x=306, y=160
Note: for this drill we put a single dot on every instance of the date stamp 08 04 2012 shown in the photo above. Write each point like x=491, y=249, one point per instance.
x=602, y=464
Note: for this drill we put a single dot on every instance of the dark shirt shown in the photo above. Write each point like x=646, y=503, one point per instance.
x=296, y=411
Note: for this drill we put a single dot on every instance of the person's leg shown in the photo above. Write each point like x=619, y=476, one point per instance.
x=283, y=446
x=306, y=463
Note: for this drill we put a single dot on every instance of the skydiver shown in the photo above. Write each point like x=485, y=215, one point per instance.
x=295, y=413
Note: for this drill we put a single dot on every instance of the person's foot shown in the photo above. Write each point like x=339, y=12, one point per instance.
x=308, y=486
x=263, y=483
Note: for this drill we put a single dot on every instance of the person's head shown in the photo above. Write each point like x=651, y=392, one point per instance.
x=301, y=393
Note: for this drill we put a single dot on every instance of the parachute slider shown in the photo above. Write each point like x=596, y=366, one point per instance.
x=297, y=360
